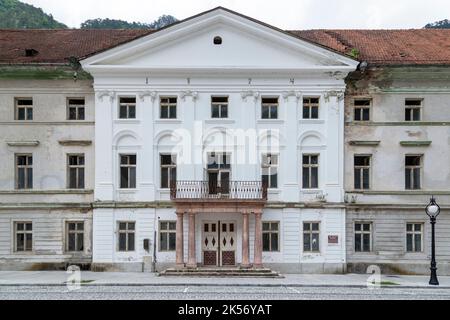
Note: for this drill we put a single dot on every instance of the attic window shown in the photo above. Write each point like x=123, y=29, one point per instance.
x=217, y=41
x=31, y=52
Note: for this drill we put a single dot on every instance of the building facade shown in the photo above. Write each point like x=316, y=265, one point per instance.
x=221, y=141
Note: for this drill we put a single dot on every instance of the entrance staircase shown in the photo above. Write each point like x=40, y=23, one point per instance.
x=221, y=272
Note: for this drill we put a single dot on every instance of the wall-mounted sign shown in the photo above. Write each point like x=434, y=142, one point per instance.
x=333, y=239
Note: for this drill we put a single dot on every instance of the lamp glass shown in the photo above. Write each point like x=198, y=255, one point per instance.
x=433, y=210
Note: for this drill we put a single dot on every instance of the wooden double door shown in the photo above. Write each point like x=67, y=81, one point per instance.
x=219, y=243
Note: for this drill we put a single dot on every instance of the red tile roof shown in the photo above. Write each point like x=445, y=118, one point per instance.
x=57, y=46
x=416, y=47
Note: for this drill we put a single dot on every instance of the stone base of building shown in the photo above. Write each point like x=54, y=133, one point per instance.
x=399, y=268
x=307, y=268
x=12, y=265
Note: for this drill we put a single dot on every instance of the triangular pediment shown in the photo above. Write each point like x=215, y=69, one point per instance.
x=246, y=44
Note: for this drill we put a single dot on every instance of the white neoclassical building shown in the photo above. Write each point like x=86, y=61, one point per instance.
x=219, y=142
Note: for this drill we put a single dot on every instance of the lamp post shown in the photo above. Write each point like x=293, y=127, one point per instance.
x=433, y=211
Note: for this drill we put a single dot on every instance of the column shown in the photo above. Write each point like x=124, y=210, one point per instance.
x=245, y=242
x=180, y=240
x=192, y=260
x=290, y=162
x=257, y=260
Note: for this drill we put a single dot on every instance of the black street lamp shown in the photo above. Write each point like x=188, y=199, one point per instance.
x=433, y=211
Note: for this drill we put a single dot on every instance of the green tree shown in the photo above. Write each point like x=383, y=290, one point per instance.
x=443, y=24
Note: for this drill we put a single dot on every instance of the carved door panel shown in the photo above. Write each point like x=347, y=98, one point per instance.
x=210, y=243
x=228, y=243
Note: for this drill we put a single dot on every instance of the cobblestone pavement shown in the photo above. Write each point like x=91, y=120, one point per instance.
x=217, y=293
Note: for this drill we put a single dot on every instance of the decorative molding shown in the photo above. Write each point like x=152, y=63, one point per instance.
x=365, y=143
x=400, y=124
x=297, y=94
x=189, y=93
x=152, y=94
x=338, y=94
x=250, y=93
x=106, y=93
x=22, y=143
x=415, y=143
x=72, y=143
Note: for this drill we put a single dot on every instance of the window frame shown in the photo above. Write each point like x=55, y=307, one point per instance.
x=169, y=168
x=76, y=233
x=77, y=167
x=220, y=106
x=310, y=166
x=77, y=109
x=411, y=173
x=25, y=107
x=310, y=233
x=127, y=232
x=310, y=106
x=361, y=109
x=129, y=167
x=26, y=167
x=170, y=107
x=413, y=233
x=167, y=233
x=129, y=106
x=361, y=173
x=270, y=106
x=24, y=232
x=362, y=233
x=411, y=108
x=270, y=167
x=270, y=232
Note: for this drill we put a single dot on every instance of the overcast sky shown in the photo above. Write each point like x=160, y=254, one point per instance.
x=285, y=14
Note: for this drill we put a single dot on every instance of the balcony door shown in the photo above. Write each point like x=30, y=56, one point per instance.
x=219, y=173
x=219, y=244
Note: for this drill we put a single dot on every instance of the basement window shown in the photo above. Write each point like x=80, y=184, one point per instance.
x=31, y=52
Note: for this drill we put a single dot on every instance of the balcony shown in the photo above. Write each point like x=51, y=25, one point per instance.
x=211, y=191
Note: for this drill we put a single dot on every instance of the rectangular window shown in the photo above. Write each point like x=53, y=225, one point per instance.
x=167, y=236
x=127, y=236
x=75, y=109
x=128, y=171
x=168, y=107
x=270, y=170
x=311, y=237
x=414, y=237
x=219, y=107
x=271, y=236
x=24, y=109
x=363, y=237
x=23, y=235
x=413, y=109
x=24, y=171
x=413, y=168
x=127, y=108
x=362, y=172
x=75, y=236
x=310, y=171
x=269, y=108
x=362, y=109
x=311, y=108
x=168, y=170
x=75, y=171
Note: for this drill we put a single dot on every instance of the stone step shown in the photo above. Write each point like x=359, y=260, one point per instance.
x=207, y=272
